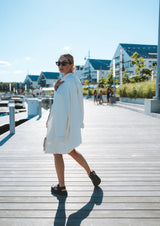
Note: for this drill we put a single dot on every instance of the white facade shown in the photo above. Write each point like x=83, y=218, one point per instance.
x=90, y=71
x=48, y=79
x=31, y=81
x=150, y=58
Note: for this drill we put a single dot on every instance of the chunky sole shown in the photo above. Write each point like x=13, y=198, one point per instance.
x=95, y=179
x=58, y=192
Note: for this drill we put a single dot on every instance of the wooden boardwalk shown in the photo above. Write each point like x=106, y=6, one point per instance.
x=122, y=146
x=18, y=116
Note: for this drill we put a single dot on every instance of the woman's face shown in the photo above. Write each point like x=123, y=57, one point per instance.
x=67, y=68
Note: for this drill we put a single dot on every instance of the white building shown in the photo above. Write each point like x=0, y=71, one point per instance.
x=31, y=81
x=79, y=70
x=123, y=55
x=94, y=68
x=48, y=79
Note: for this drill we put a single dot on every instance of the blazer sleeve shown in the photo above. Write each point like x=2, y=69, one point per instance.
x=60, y=118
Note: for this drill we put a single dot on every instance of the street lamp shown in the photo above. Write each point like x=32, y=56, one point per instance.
x=158, y=60
x=114, y=76
x=89, y=72
x=97, y=82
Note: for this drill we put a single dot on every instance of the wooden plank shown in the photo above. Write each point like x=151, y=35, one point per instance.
x=79, y=188
x=73, y=193
x=86, y=222
x=85, y=183
x=76, y=206
x=54, y=179
x=82, y=214
x=82, y=199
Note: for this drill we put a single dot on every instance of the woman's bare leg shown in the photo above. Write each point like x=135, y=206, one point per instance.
x=81, y=160
x=59, y=165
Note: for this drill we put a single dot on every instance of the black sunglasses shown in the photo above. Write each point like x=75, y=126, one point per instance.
x=63, y=63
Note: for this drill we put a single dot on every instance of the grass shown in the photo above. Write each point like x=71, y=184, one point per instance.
x=138, y=90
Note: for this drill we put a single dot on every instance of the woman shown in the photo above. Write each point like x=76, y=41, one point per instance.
x=100, y=97
x=65, y=122
x=95, y=95
x=108, y=95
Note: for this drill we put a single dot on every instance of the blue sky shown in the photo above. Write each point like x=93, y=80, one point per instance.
x=35, y=32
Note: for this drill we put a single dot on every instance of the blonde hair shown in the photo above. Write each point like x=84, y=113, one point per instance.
x=69, y=58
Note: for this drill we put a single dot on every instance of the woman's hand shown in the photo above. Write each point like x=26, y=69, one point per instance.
x=58, y=83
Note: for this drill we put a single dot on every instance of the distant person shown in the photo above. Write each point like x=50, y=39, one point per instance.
x=101, y=97
x=111, y=93
x=108, y=95
x=65, y=122
x=95, y=96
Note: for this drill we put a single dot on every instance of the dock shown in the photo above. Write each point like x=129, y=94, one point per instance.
x=121, y=145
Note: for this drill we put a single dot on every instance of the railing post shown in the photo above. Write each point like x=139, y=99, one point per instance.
x=12, y=117
x=39, y=108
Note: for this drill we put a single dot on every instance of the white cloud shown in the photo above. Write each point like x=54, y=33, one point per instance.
x=5, y=72
x=18, y=72
x=66, y=47
x=27, y=58
x=4, y=64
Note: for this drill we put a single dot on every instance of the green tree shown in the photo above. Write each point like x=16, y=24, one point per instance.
x=139, y=62
x=4, y=86
x=144, y=76
x=86, y=82
x=102, y=82
x=109, y=80
x=110, y=77
x=135, y=79
x=147, y=71
x=126, y=78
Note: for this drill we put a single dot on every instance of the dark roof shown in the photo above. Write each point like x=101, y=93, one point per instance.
x=100, y=64
x=142, y=50
x=51, y=75
x=33, y=77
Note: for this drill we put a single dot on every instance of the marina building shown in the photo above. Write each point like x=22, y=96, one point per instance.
x=48, y=79
x=123, y=55
x=95, y=68
x=31, y=81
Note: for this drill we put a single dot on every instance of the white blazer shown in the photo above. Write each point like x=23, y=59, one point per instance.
x=66, y=117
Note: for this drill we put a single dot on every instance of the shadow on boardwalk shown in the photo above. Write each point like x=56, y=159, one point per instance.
x=76, y=218
x=5, y=139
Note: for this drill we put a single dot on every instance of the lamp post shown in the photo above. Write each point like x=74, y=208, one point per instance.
x=97, y=82
x=89, y=72
x=88, y=77
x=114, y=76
x=158, y=60
x=120, y=62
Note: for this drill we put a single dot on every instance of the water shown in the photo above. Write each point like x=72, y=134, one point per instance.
x=4, y=114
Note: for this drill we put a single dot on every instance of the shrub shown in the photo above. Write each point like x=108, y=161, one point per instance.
x=85, y=92
x=138, y=90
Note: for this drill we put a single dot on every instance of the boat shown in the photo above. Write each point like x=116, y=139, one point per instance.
x=19, y=101
x=4, y=109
